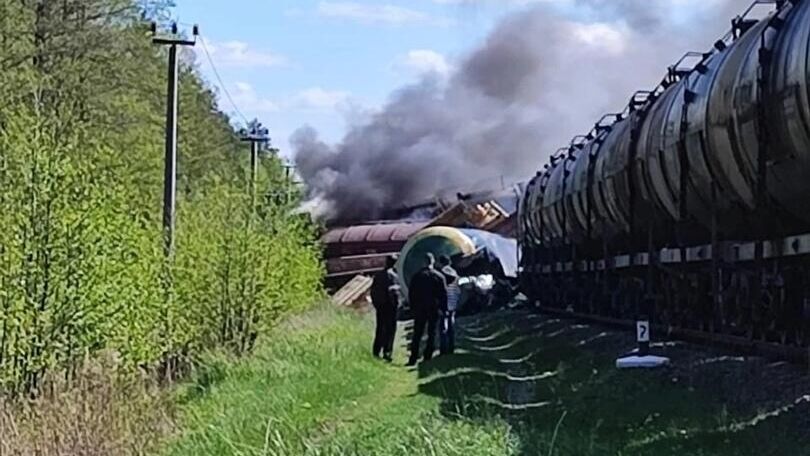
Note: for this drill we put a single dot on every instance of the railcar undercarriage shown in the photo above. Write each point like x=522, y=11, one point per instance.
x=719, y=289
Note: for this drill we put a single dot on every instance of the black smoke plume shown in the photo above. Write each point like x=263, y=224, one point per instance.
x=536, y=81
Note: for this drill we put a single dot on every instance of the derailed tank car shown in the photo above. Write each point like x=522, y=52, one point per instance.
x=692, y=206
x=477, y=256
x=463, y=246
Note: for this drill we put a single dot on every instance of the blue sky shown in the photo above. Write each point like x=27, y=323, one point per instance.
x=296, y=62
x=320, y=62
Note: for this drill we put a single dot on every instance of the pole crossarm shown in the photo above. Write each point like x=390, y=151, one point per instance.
x=258, y=136
x=171, y=41
x=255, y=132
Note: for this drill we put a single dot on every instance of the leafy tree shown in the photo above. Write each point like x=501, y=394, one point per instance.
x=81, y=177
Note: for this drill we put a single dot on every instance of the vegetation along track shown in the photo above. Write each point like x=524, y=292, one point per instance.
x=519, y=384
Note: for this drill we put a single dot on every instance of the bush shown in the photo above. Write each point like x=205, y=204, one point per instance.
x=82, y=269
x=99, y=413
x=239, y=269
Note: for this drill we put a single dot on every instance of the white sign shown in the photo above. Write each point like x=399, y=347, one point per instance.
x=643, y=331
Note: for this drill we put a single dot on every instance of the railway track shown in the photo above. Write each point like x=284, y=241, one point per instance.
x=736, y=344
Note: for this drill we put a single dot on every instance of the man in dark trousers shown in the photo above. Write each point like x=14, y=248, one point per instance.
x=447, y=341
x=427, y=295
x=384, y=299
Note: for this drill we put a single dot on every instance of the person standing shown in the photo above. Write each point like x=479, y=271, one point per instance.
x=447, y=340
x=384, y=299
x=427, y=295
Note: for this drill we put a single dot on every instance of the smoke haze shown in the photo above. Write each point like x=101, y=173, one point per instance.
x=536, y=81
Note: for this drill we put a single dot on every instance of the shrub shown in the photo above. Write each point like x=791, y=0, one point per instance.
x=82, y=269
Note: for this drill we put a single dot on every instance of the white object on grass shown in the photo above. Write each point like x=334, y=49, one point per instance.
x=641, y=362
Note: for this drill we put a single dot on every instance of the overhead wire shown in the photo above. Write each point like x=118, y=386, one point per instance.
x=222, y=85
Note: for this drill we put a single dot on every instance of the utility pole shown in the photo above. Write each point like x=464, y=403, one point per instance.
x=172, y=40
x=287, y=181
x=257, y=136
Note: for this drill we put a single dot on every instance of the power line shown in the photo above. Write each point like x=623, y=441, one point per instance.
x=221, y=83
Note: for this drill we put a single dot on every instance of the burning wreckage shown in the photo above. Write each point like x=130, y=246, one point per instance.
x=475, y=231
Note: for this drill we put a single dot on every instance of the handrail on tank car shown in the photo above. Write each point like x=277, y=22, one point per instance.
x=640, y=99
x=577, y=142
x=742, y=23
x=608, y=120
x=674, y=74
x=739, y=25
x=679, y=70
x=558, y=155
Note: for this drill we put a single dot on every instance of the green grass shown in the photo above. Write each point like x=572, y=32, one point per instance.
x=313, y=389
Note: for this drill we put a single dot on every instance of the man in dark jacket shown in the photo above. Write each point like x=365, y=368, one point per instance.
x=385, y=303
x=447, y=341
x=427, y=295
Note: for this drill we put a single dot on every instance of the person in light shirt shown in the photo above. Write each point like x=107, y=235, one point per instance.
x=447, y=342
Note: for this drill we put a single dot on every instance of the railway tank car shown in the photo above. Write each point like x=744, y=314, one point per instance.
x=459, y=244
x=692, y=206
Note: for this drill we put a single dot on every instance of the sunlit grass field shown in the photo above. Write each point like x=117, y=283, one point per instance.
x=518, y=386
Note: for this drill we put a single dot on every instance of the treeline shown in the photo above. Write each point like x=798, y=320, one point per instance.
x=82, y=270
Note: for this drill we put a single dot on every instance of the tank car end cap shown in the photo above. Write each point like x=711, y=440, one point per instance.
x=641, y=362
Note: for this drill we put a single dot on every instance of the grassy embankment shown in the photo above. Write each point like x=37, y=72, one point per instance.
x=313, y=389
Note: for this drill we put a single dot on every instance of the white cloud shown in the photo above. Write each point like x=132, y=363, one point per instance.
x=250, y=102
x=317, y=98
x=377, y=14
x=599, y=35
x=424, y=61
x=678, y=4
x=500, y=2
x=240, y=54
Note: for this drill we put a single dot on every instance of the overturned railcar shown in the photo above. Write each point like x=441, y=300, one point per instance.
x=363, y=249
x=473, y=252
x=692, y=206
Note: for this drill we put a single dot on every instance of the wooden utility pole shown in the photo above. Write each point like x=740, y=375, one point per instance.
x=257, y=136
x=288, y=181
x=172, y=40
